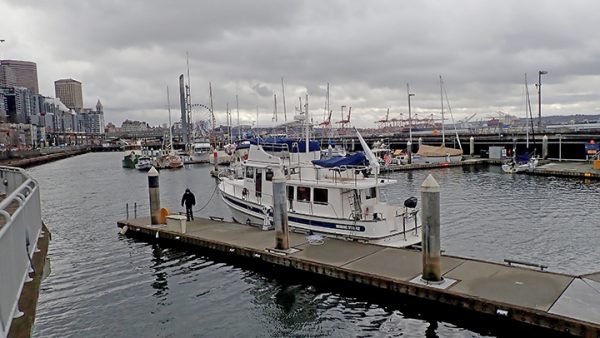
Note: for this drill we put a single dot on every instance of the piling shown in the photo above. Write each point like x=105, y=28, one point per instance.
x=545, y=147
x=471, y=146
x=409, y=151
x=420, y=141
x=430, y=218
x=280, y=217
x=216, y=161
x=154, y=192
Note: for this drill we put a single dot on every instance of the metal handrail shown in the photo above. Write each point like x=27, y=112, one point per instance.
x=18, y=239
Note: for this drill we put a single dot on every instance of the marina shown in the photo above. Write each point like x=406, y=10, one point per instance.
x=489, y=228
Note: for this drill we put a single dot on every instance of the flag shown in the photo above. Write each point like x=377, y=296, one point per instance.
x=387, y=159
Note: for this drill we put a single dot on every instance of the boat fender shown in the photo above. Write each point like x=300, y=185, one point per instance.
x=123, y=230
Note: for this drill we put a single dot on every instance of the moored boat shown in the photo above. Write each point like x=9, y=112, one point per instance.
x=144, y=163
x=334, y=197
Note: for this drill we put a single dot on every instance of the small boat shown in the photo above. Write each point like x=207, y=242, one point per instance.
x=201, y=152
x=441, y=154
x=144, y=163
x=131, y=154
x=169, y=159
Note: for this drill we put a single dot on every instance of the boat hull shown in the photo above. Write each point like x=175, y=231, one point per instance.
x=250, y=213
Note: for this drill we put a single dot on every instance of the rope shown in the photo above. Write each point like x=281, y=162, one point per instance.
x=315, y=239
x=210, y=199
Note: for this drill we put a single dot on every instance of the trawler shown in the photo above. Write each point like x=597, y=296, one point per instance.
x=337, y=197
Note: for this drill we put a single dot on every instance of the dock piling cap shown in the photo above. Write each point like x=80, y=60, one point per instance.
x=152, y=172
x=430, y=185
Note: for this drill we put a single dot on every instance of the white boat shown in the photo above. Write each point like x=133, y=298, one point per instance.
x=332, y=197
x=144, y=163
x=201, y=152
x=169, y=159
x=437, y=154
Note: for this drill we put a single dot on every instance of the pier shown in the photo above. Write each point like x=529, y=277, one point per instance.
x=559, y=302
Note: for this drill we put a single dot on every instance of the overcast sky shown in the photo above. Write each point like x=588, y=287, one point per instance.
x=126, y=52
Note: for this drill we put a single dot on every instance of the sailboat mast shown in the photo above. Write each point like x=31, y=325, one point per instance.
x=188, y=123
x=237, y=108
x=307, y=126
x=530, y=113
x=212, y=116
x=283, y=98
x=526, y=117
x=169, y=109
x=442, y=102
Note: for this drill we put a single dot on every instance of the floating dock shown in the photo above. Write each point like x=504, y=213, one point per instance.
x=560, y=302
x=567, y=169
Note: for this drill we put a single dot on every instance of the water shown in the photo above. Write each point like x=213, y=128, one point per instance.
x=104, y=284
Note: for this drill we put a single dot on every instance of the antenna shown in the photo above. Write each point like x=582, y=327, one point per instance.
x=237, y=107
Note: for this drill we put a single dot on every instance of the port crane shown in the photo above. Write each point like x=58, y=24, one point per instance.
x=345, y=122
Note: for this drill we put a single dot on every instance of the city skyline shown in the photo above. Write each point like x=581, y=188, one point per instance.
x=367, y=52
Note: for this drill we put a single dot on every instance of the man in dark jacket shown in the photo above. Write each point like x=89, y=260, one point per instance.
x=189, y=200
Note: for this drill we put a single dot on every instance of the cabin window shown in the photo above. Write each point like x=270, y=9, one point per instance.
x=249, y=172
x=269, y=175
x=320, y=195
x=371, y=193
x=303, y=194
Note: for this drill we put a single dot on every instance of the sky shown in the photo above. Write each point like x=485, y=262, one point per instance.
x=126, y=53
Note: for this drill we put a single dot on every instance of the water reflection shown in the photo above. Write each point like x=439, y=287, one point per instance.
x=161, y=277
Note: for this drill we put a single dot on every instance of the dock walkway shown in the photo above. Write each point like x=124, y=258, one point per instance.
x=564, y=303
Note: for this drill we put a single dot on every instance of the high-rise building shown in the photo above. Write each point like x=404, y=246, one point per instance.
x=70, y=93
x=15, y=73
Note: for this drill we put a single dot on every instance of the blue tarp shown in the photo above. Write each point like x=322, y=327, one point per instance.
x=358, y=159
x=278, y=144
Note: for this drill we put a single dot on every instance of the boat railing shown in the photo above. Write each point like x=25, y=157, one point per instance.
x=20, y=227
x=408, y=214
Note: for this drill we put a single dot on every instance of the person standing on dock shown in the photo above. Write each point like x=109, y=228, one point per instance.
x=189, y=200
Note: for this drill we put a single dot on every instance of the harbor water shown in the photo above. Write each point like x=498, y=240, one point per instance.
x=107, y=285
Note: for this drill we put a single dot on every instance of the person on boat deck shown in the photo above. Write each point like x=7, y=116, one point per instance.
x=189, y=200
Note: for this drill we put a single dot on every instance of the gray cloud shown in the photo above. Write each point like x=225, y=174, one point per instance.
x=126, y=53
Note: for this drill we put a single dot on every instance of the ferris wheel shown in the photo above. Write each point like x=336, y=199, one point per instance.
x=202, y=119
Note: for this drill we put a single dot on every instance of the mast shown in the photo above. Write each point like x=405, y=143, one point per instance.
x=307, y=126
x=530, y=112
x=188, y=125
x=274, y=107
x=442, y=102
x=212, y=116
x=170, y=132
x=237, y=108
x=228, y=120
x=283, y=98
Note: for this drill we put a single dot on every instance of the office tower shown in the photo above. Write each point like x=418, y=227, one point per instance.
x=69, y=92
x=15, y=73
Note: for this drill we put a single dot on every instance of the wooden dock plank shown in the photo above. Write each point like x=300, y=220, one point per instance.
x=334, y=252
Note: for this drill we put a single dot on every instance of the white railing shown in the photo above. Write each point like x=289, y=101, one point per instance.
x=21, y=211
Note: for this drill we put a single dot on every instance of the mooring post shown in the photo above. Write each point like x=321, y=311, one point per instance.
x=545, y=147
x=280, y=217
x=471, y=146
x=215, y=159
x=154, y=192
x=430, y=218
x=409, y=151
x=420, y=141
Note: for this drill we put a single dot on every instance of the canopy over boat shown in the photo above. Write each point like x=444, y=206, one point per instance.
x=293, y=145
x=358, y=159
x=425, y=150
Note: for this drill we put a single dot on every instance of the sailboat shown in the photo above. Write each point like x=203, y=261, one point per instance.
x=527, y=161
x=169, y=159
x=441, y=154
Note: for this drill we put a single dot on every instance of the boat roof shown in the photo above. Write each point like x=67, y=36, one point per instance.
x=358, y=159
